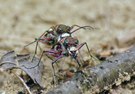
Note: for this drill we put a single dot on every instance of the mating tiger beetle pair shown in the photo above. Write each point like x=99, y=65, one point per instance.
x=62, y=43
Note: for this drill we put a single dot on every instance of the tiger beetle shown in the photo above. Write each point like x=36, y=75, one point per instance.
x=59, y=37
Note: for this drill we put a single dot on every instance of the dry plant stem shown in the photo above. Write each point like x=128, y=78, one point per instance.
x=27, y=88
x=113, y=71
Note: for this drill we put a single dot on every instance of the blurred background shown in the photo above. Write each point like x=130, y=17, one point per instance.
x=21, y=21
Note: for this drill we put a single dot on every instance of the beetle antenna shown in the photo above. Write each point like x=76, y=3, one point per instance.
x=82, y=27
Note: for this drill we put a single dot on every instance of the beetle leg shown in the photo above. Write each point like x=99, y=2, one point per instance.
x=91, y=56
x=54, y=61
x=35, y=50
x=47, y=52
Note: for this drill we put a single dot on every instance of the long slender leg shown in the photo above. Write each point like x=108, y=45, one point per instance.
x=37, y=45
x=90, y=52
x=47, y=52
x=81, y=45
x=35, y=50
x=51, y=52
x=41, y=50
x=37, y=63
x=80, y=55
x=36, y=40
x=77, y=59
x=42, y=56
x=54, y=61
x=78, y=49
x=78, y=62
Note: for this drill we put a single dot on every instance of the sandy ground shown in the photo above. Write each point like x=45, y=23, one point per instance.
x=23, y=20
